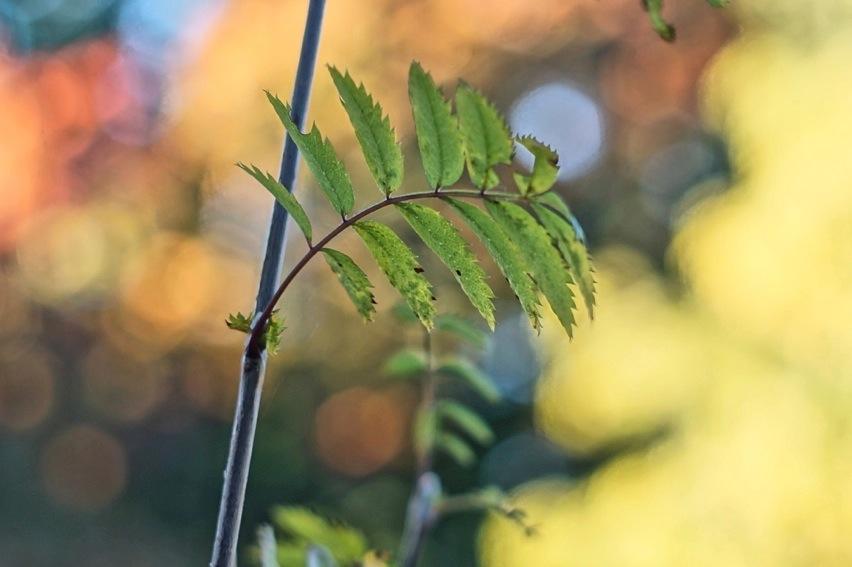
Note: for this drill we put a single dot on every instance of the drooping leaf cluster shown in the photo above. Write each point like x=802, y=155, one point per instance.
x=445, y=424
x=529, y=233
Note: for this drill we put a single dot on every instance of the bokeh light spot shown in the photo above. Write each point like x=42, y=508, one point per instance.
x=62, y=253
x=359, y=430
x=26, y=387
x=120, y=387
x=84, y=468
x=568, y=120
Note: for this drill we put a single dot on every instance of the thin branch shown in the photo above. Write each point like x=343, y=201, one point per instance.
x=254, y=359
x=427, y=400
x=419, y=518
x=254, y=341
x=420, y=512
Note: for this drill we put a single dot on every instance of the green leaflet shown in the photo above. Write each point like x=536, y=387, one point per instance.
x=271, y=336
x=461, y=329
x=569, y=243
x=406, y=363
x=466, y=420
x=401, y=267
x=321, y=158
x=544, y=170
x=274, y=329
x=548, y=269
x=453, y=446
x=354, y=281
x=283, y=196
x=487, y=141
x=655, y=13
x=346, y=544
x=373, y=130
x=506, y=255
x=437, y=130
x=443, y=239
x=268, y=546
x=239, y=322
x=424, y=431
x=463, y=369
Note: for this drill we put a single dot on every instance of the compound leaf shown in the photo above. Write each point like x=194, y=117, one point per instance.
x=354, y=281
x=401, y=267
x=283, y=196
x=544, y=170
x=466, y=420
x=437, y=129
x=321, y=158
x=382, y=152
x=487, y=140
x=443, y=239
x=549, y=271
x=463, y=369
x=506, y=255
x=570, y=244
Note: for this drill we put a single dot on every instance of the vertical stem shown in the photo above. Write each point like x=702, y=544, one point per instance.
x=427, y=399
x=420, y=512
x=254, y=358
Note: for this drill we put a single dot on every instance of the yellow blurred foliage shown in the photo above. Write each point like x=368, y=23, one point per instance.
x=750, y=368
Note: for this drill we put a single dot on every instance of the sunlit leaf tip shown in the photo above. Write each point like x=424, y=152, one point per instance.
x=487, y=139
x=438, y=136
x=375, y=134
x=443, y=239
x=544, y=171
